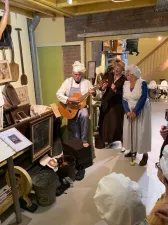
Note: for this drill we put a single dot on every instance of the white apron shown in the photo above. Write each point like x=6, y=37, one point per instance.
x=141, y=124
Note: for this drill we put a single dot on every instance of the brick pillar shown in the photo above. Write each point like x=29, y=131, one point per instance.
x=70, y=55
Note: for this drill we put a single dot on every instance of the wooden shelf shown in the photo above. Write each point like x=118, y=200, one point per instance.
x=6, y=204
x=15, y=156
x=8, y=201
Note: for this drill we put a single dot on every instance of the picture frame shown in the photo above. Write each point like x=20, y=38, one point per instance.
x=41, y=136
x=1, y=117
x=91, y=69
x=166, y=114
x=5, y=73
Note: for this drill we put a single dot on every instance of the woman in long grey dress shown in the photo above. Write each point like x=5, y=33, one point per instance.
x=138, y=109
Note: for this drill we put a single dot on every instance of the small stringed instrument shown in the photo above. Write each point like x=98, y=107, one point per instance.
x=70, y=109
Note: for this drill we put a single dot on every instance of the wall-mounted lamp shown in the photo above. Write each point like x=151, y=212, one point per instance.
x=159, y=38
x=69, y=1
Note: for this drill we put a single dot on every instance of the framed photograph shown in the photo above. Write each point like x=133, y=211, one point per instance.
x=91, y=69
x=5, y=73
x=41, y=136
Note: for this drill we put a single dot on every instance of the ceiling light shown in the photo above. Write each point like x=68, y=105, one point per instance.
x=117, y=1
x=69, y=1
x=159, y=38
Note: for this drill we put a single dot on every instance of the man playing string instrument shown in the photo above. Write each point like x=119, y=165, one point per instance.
x=78, y=126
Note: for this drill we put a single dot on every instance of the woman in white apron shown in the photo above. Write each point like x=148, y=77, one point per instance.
x=137, y=107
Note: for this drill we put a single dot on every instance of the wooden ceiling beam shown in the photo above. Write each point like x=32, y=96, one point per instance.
x=42, y=6
x=19, y=10
x=52, y=6
x=29, y=8
x=109, y=6
x=49, y=7
x=63, y=3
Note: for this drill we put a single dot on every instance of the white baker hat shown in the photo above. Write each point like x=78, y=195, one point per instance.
x=134, y=70
x=118, y=200
x=78, y=67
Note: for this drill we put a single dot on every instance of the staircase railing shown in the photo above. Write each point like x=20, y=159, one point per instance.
x=154, y=62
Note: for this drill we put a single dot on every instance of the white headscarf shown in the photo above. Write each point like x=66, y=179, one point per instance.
x=78, y=67
x=118, y=201
x=133, y=69
x=164, y=162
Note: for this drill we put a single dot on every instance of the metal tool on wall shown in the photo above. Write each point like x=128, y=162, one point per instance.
x=14, y=67
x=23, y=77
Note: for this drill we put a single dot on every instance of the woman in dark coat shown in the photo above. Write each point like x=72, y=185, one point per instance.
x=111, y=110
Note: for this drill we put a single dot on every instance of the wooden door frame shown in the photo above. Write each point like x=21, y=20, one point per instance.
x=88, y=40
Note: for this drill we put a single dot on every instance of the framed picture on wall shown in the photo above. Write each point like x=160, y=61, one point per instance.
x=91, y=69
x=41, y=137
x=5, y=73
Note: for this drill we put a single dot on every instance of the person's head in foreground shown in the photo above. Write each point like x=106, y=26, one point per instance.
x=77, y=71
x=163, y=167
x=159, y=213
x=118, y=201
x=132, y=72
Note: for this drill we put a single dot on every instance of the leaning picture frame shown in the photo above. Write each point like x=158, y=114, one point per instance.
x=41, y=136
x=91, y=69
x=5, y=73
x=1, y=117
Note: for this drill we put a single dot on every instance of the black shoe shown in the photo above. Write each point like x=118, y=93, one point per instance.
x=144, y=160
x=61, y=189
x=129, y=154
x=80, y=173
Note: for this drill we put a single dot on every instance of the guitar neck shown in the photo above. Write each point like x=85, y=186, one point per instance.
x=84, y=96
x=87, y=94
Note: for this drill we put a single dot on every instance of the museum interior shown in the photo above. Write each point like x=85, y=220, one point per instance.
x=71, y=130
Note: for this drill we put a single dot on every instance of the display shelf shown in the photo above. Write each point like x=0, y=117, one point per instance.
x=6, y=204
x=8, y=201
x=15, y=156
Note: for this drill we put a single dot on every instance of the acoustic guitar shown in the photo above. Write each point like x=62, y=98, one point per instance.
x=70, y=110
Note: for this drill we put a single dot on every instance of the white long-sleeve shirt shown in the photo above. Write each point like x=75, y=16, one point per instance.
x=63, y=93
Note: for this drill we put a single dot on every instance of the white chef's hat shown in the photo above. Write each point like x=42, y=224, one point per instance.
x=78, y=67
x=118, y=200
x=133, y=69
x=164, y=162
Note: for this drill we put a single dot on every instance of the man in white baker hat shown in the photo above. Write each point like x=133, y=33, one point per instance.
x=118, y=201
x=77, y=126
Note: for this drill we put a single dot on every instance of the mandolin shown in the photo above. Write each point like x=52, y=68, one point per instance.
x=70, y=109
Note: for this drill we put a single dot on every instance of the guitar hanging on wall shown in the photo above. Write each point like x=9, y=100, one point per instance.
x=70, y=110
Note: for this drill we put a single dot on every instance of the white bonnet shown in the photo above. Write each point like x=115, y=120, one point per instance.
x=133, y=69
x=78, y=67
x=118, y=200
x=164, y=162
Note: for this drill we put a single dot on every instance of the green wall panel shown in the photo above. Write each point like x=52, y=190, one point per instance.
x=52, y=76
x=51, y=72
